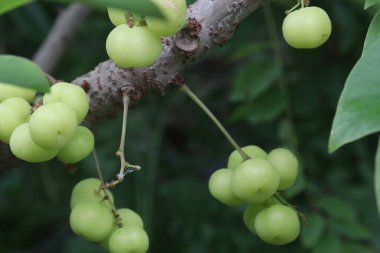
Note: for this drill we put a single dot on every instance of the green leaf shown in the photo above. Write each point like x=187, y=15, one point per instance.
x=248, y=50
x=358, y=109
x=369, y=3
x=337, y=208
x=265, y=108
x=253, y=80
x=142, y=7
x=7, y=5
x=330, y=243
x=22, y=72
x=352, y=247
x=313, y=231
x=373, y=33
x=351, y=229
x=377, y=177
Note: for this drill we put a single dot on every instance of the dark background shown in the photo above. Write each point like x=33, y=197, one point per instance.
x=179, y=147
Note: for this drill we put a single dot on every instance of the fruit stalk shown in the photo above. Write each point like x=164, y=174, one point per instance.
x=100, y=176
x=120, y=151
x=188, y=92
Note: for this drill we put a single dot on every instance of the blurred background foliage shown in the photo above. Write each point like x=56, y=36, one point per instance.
x=265, y=92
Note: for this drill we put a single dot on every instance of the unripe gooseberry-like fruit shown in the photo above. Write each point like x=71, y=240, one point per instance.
x=88, y=190
x=119, y=16
x=9, y=91
x=131, y=239
x=235, y=159
x=24, y=148
x=174, y=12
x=79, y=146
x=53, y=125
x=133, y=47
x=255, y=180
x=91, y=220
x=252, y=210
x=221, y=189
x=286, y=165
x=307, y=27
x=128, y=218
x=249, y=215
x=71, y=95
x=277, y=224
x=13, y=112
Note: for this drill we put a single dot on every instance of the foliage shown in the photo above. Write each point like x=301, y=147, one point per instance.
x=293, y=105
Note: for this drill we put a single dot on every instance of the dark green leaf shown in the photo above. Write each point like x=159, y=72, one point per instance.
x=313, y=231
x=7, y=5
x=373, y=33
x=358, y=107
x=337, y=207
x=142, y=7
x=330, y=243
x=22, y=72
x=265, y=108
x=351, y=229
x=253, y=80
x=369, y=3
x=377, y=177
x=248, y=50
x=351, y=247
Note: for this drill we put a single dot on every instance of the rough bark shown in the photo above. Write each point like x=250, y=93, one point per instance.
x=211, y=23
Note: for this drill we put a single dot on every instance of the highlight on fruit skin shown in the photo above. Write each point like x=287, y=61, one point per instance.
x=307, y=28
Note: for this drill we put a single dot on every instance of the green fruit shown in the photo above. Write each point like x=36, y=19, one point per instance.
x=252, y=151
x=174, y=12
x=286, y=165
x=277, y=225
x=9, y=91
x=13, y=112
x=88, y=190
x=128, y=218
x=129, y=240
x=119, y=17
x=79, y=146
x=252, y=210
x=71, y=95
x=220, y=187
x=255, y=180
x=23, y=147
x=53, y=125
x=307, y=27
x=249, y=215
x=91, y=221
x=133, y=47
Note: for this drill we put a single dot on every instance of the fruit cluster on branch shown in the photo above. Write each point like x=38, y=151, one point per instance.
x=210, y=24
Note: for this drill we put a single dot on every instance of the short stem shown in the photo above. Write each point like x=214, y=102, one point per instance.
x=120, y=151
x=286, y=203
x=302, y=4
x=101, y=188
x=293, y=8
x=188, y=92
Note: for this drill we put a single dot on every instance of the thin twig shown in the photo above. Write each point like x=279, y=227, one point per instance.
x=188, y=92
x=100, y=176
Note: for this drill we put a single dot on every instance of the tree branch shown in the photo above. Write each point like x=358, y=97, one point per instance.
x=61, y=34
x=210, y=23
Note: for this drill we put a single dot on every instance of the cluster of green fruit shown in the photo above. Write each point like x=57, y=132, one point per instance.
x=308, y=27
x=255, y=181
x=135, y=41
x=50, y=130
x=92, y=219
